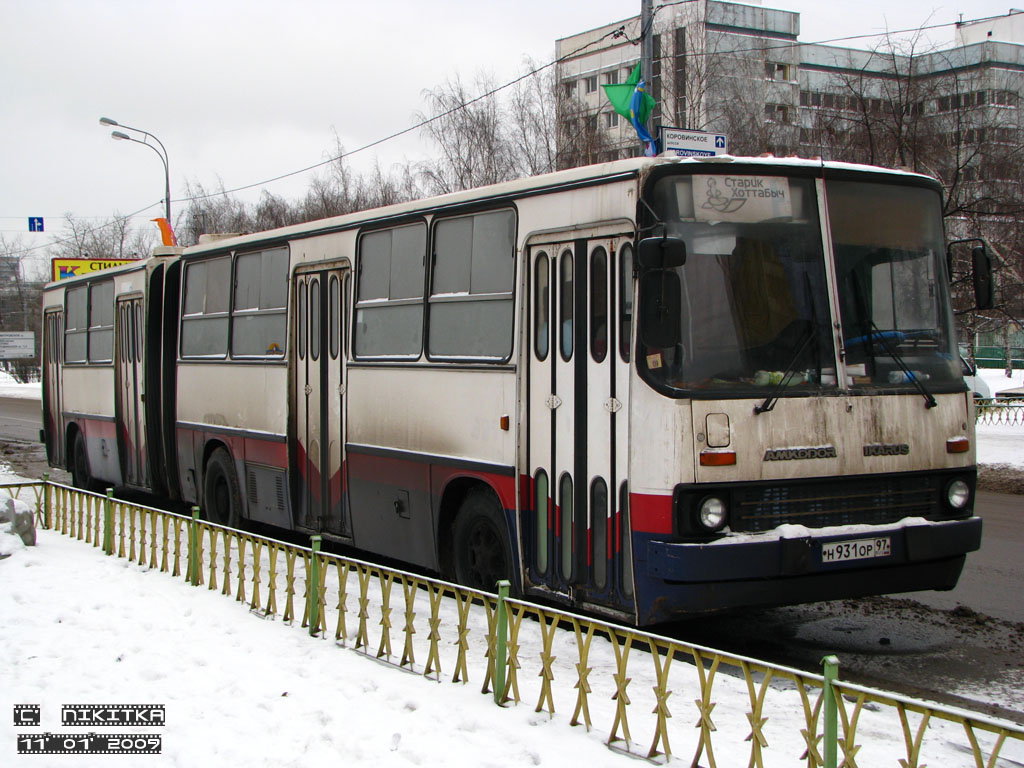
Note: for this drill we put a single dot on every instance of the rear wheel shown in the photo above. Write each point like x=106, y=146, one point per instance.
x=80, y=476
x=483, y=555
x=222, y=500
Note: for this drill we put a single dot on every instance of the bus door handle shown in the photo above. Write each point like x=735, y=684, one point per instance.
x=553, y=401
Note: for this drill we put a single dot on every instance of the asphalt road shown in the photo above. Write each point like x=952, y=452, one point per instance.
x=992, y=579
x=20, y=419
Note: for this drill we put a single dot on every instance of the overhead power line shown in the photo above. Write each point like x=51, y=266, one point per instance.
x=619, y=31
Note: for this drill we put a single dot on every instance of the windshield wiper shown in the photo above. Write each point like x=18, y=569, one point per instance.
x=810, y=335
x=769, y=402
x=877, y=334
x=874, y=333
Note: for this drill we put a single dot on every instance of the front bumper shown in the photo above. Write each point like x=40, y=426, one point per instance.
x=757, y=570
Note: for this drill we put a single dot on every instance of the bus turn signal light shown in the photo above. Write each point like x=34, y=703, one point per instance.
x=717, y=458
x=958, y=445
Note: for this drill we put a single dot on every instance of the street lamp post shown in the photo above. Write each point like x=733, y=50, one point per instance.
x=161, y=152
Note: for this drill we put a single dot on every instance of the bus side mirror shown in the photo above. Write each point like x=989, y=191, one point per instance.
x=981, y=269
x=661, y=252
x=661, y=303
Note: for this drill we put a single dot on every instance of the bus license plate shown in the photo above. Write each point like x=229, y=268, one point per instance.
x=859, y=549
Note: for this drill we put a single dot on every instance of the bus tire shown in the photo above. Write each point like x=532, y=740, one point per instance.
x=483, y=555
x=80, y=476
x=222, y=499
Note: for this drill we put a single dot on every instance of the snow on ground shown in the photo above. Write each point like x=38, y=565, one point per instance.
x=77, y=627
x=1001, y=443
x=996, y=378
x=11, y=388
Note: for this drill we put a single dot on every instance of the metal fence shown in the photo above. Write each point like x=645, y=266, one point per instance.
x=992, y=412
x=619, y=681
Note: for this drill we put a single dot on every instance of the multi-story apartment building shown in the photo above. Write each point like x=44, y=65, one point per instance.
x=950, y=111
x=741, y=69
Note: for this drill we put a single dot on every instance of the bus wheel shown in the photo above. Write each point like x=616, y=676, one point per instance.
x=80, y=476
x=482, y=552
x=221, y=498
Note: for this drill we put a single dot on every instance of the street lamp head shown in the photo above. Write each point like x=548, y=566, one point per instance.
x=108, y=121
x=120, y=136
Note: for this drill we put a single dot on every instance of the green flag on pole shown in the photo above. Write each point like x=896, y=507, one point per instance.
x=621, y=94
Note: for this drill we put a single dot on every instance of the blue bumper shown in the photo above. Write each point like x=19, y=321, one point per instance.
x=688, y=578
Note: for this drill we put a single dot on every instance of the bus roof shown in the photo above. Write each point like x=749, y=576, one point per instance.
x=615, y=170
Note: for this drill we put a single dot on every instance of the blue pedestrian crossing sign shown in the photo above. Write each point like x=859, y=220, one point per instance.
x=35, y=223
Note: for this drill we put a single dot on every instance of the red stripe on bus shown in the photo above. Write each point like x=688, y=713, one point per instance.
x=269, y=452
x=421, y=476
x=650, y=513
x=97, y=428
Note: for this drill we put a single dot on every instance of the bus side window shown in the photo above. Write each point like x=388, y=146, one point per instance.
x=204, y=322
x=566, y=534
x=303, y=320
x=76, y=323
x=599, y=304
x=599, y=531
x=101, y=322
x=540, y=506
x=565, y=299
x=258, y=313
x=334, y=316
x=389, y=292
x=471, y=302
x=626, y=542
x=541, y=306
x=314, y=319
x=625, y=300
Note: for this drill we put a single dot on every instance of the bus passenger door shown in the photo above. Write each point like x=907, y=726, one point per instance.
x=130, y=405
x=576, y=442
x=551, y=540
x=53, y=353
x=319, y=398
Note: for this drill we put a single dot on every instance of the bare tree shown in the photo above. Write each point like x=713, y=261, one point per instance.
x=115, y=238
x=21, y=288
x=471, y=136
x=533, y=121
x=581, y=141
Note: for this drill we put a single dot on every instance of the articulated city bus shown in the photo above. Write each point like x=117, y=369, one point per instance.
x=650, y=388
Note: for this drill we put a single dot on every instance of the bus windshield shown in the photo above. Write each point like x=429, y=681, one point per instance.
x=895, y=311
x=748, y=313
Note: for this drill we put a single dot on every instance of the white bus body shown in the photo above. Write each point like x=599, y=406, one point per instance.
x=619, y=386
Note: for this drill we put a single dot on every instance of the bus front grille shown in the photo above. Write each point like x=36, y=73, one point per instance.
x=840, y=501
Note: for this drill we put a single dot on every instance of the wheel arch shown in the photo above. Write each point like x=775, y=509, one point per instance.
x=456, y=490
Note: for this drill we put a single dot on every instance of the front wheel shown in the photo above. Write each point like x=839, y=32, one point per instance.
x=222, y=500
x=483, y=556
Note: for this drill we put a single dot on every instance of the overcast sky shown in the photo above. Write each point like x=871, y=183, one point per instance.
x=244, y=90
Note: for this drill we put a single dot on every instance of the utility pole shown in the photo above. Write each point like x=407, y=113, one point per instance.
x=646, y=41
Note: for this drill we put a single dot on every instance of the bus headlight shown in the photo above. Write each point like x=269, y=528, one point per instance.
x=711, y=515
x=958, y=493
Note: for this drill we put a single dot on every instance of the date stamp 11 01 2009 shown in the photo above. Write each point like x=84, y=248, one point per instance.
x=92, y=743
